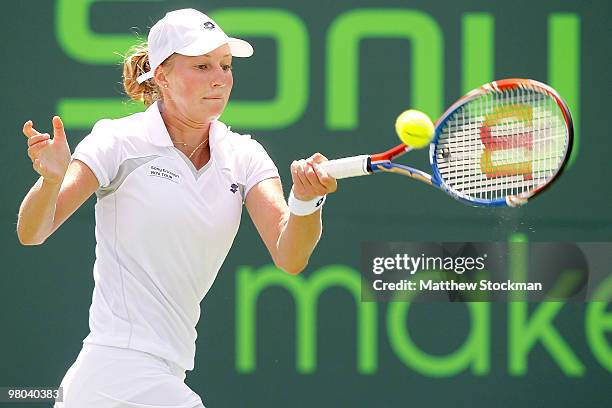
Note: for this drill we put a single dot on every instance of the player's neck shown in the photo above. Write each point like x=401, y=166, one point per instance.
x=182, y=129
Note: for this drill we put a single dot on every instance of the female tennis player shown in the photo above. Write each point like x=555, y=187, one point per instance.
x=170, y=184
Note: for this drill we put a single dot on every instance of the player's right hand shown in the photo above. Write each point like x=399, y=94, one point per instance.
x=50, y=157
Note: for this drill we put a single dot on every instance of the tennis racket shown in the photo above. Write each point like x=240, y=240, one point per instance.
x=499, y=145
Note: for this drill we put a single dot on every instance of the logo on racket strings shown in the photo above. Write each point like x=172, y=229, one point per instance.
x=507, y=155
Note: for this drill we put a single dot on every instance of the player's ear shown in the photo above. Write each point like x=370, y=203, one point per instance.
x=160, y=77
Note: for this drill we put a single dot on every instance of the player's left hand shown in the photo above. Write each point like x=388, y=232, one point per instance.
x=310, y=180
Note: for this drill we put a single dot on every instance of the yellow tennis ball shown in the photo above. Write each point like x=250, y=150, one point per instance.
x=414, y=128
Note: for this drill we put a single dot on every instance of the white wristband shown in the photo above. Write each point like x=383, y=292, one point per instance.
x=301, y=208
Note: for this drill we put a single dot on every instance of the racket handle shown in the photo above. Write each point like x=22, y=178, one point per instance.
x=347, y=166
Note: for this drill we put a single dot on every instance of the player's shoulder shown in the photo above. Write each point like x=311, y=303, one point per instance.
x=232, y=137
x=236, y=141
x=121, y=128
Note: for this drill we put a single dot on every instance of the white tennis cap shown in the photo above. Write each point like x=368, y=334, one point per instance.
x=191, y=33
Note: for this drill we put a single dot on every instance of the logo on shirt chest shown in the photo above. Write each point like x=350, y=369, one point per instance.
x=161, y=172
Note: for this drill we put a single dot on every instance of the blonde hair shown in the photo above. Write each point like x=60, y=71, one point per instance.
x=136, y=63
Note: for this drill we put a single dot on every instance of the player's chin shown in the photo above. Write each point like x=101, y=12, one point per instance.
x=213, y=106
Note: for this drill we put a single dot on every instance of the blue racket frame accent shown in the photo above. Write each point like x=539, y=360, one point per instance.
x=388, y=166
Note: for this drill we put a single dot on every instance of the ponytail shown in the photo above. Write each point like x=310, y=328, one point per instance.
x=135, y=64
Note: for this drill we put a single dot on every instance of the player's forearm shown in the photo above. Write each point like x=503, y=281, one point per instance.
x=35, y=221
x=297, y=241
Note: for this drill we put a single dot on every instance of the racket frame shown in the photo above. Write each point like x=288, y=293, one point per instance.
x=382, y=161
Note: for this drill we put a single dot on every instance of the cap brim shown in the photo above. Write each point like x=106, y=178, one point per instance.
x=238, y=47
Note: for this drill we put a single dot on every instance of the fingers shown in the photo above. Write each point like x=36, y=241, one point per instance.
x=298, y=177
x=310, y=180
x=35, y=149
x=325, y=179
x=28, y=130
x=58, y=129
x=305, y=185
x=317, y=158
x=38, y=138
x=313, y=181
x=295, y=177
x=329, y=183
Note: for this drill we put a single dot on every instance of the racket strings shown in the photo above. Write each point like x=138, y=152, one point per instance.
x=502, y=143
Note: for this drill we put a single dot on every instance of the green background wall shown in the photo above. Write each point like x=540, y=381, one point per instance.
x=46, y=291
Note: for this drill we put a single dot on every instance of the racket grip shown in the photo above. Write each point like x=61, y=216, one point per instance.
x=347, y=166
